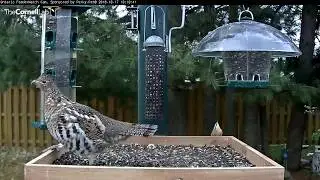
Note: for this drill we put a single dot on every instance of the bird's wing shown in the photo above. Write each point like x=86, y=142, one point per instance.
x=87, y=119
x=94, y=124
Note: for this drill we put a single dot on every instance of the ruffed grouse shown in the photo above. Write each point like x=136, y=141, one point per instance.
x=79, y=128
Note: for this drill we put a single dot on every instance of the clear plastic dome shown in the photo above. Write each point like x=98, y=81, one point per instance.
x=244, y=36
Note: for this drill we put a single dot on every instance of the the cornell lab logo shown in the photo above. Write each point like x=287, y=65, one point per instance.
x=37, y=11
x=22, y=12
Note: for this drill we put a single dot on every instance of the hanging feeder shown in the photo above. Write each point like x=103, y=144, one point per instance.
x=247, y=49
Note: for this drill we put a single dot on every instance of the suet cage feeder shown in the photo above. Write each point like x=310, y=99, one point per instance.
x=247, y=48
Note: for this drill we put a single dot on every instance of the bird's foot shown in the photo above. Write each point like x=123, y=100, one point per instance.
x=56, y=147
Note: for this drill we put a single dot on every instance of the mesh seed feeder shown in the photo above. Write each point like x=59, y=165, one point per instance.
x=247, y=48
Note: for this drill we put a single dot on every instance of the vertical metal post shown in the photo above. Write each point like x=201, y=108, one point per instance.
x=149, y=27
x=43, y=39
x=141, y=61
x=63, y=50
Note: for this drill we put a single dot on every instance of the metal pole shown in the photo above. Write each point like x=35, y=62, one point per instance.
x=141, y=61
x=43, y=39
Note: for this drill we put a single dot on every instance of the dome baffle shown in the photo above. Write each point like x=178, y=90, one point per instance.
x=247, y=48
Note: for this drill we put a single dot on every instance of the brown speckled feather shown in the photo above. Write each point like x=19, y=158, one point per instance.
x=80, y=128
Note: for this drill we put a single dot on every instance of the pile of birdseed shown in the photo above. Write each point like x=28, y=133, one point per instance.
x=136, y=155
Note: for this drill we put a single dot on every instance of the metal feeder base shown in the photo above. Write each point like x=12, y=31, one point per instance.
x=248, y=84
x=39, y=124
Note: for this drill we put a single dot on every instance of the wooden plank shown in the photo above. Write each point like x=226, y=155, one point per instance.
x=286, y=121
x=241, y=117
x=236, y=115
x=268, y=114
x=1, y=120
x=94, y=104
x=119, y=110
x=198, y=124
x=48, y=139
x=24, y=116
x=4, y=118
x=45, y=158
x=310, y=128
x=16, y=123
x=41, y=168
x=282, y=124
x=191, y=113
x=274, y=120
x=223, y=119
x=317, y=121
x=46, y=172
x=40, y=134
x=289, y=113
x=32, y=115
x=218, y=106
x=101, y=107
x=111, y=108
x=254, y=156
x=128, y=112
x=8, y=110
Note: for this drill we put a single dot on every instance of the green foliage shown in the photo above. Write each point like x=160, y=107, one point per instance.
x=18, y=57
x=107, y=66
x=283, y=88
x=183, y=66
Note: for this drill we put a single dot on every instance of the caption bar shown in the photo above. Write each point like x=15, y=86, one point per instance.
x=68, y=2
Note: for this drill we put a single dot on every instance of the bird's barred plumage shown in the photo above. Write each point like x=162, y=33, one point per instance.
x=80, y=128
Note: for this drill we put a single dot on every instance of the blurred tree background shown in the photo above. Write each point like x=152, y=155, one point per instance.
x=108, y=64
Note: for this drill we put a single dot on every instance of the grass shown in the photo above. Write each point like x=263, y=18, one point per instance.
x=12, y=161
x=275, y=151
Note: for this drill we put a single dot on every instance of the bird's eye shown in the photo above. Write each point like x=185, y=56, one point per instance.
x=43, y=81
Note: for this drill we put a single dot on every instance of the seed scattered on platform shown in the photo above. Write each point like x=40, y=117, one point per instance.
x=153, y=155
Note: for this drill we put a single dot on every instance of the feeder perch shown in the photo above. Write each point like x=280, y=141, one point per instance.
x=247, y=49
x=39, y=124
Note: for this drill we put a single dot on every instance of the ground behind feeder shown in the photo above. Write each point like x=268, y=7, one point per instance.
x=152, y=155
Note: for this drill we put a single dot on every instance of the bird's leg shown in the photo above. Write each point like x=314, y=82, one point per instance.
x=56, y=147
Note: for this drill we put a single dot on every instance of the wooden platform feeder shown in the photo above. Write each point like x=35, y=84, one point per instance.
x=41, y=167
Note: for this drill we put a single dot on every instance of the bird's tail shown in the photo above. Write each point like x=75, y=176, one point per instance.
x=142, y=130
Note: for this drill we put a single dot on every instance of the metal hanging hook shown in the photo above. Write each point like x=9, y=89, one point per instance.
x=153, y=23
x=183, y=17
x=245, y=11
x=153, y=17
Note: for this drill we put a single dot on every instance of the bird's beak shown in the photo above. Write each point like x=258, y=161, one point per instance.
x=34, y=82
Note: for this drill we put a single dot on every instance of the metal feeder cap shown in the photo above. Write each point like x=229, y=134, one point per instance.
x=154, y=41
